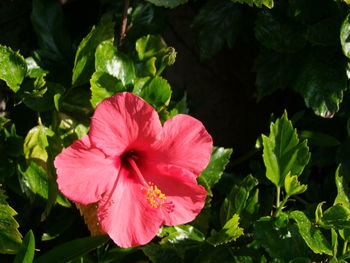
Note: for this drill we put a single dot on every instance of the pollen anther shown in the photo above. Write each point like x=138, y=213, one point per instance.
x=154, y=196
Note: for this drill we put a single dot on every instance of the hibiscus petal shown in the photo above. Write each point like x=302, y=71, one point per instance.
x=186, y=143
x=125, y=214
x=124, y=122
x=181, y=189
x=84, y=173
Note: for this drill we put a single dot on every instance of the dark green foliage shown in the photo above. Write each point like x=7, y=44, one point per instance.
x=284, y=200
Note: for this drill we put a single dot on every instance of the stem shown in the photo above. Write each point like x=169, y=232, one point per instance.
x=124, y=23
x=345, y=246
x=278, y=196
x=280, y=207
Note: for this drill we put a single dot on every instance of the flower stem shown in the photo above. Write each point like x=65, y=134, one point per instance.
x=281, y=205
x=278, y=196
x=124, y=23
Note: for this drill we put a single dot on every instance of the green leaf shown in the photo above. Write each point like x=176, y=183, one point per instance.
x=334, y=242
x=218, y=22
x=219, y=159
x=275, y=71
x=283, y=153
x=161, y=254
x=342, y=183
x=180, y=107
x=312, y=236
x=168, y=3
x=13, y=68
x=36, y=142
x=154, y=54
x=10, y=238
x=84, y=64
x=156, y=92
x=103, y=86
x=149, y=46
x=41, y=98
x=337, y=217
x=72, y=249
x=345, y=36
x=324, y=32
x=242, y=199
x=258, y=3
x=181, y=234
x=230, y=232
x=293, y=186
x=115, y=63
x=48, y=23
x=39, y=176
x=322, y=81
x=319, y=213
x=35, y=177
x=279, y=238
x=276, y=34
x=13, y=144
x=33, y=68
x=26, y=251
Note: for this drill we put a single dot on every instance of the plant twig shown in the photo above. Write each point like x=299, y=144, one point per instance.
x=123, y=28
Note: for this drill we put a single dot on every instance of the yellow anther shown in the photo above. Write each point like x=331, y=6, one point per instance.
x=154, y=196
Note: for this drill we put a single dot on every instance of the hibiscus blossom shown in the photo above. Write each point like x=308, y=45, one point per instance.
x=142, y=174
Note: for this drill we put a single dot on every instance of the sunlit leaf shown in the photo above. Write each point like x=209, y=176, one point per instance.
x=10, y=238
x=218, y=161
x=115, y=63
x=154, y=55
x=337, y=217
x=279, y=238
x=312, y=236
x=156, y=92
x=283, y=153
x=13, y=68
x=182, y=234
x=342, y=184
x=26, y=250
x=103, y=86
x=258, y=3
x=230, y=232
x=345, y=36
x=36, y=142
x=84, y=64
x=242, y=198
x=293, y=186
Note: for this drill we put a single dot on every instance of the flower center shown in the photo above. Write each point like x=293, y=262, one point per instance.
x=154, y=196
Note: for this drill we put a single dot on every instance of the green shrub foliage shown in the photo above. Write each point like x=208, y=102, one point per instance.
x=286, y=200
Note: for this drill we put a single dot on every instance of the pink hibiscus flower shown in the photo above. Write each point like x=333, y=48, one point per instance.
x=142, y=174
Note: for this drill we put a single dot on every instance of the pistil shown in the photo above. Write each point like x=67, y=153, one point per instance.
x=154, y=196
